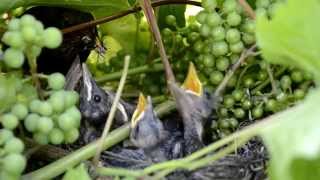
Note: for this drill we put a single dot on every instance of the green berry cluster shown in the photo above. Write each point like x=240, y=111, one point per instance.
x=12, y=162
x=27, y=35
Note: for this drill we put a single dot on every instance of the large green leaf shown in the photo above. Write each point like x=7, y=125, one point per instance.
x=293, y=141
x=121, y=29
x=292, y=37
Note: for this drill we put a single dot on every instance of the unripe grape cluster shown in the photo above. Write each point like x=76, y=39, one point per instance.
x=26, y=35
x=55, y=120
x=12, y=162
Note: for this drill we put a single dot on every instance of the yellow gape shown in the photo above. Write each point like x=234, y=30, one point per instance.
x=138, y=113
x=192, y=83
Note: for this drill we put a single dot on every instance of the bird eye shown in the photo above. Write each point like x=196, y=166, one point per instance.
x=97, y=98
x=86, y=39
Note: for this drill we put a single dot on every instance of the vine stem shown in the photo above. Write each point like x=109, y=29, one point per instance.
x=247, y=8
x=112, y=110
x=137, y=70
x=120, y=14
x=245, y=54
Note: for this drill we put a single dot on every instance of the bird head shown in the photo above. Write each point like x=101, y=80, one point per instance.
x=193, y=102
x=94, y=101
x=146, y=129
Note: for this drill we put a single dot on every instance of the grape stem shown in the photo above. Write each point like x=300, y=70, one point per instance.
x=112, y=110
x=273, y=84
x=247, y=8
x=33, y=70
x=137, y=70
x=244, y=55
x=120, y=14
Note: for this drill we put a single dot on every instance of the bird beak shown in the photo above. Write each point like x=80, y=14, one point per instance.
x=87, y=81
x=192, y=83
x=140, y=109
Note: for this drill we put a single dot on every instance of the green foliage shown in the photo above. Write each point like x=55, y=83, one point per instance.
x=284, y=41
x=294, y=135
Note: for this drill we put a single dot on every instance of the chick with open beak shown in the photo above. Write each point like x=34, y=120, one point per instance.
x=195, y=106
x=95, y=103
x=149, y=134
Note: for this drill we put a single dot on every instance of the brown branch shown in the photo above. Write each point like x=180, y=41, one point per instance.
x=125, y=13
x=245, y=54
x=247, y=8
x=148, y=12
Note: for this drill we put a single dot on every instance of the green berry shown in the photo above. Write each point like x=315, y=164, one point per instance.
x=205, y=30
x=263, y=3
x=233, y=122
x=13, y=39
x=52, y=37
x=218, y=33
x=29, y=33
x=297, y=76
x=5, y=135
x=45, y=125
x=233, y=36
x=249, y=26
x=13, y=58
x=14, y=24
x=56, y=136
x=285, y=82
x=228, y=101
x=34, y=105
x=229, y=6
x=262, y=75
x=222, y=63
x=66, y=122
x=166, y=32
x=246, y=104
x=14, y=163
x=14, y=145
x=56, y=81
x=208, y=61
x=248, y=38
x=198, y=45
x=31, y=122
x=71, y=98
x=209, y=5
x=223, y=112
x=299, y=94
x=248, y=82
x=239, y=113
x=237, y=94
x=56, y=101
x=41, y=138
x=171, y=20
x=271, y=105
x=20, y=110
x=236, y=47
x=223, y=124
x=220, y=48
x=216, y=77
x=257, y=112
x=27, y=20
x=45, y=108
x=261, y=12
x=9, y=121
x=201, y=17
x=233, y=19
x=213, y=20
x=71, y=135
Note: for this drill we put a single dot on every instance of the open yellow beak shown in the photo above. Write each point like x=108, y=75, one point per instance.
x=192, y=82
x=138, y=113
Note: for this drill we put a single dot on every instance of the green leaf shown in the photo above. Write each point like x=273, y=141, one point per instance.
x=5, y=5
x=176, y=10
x=293, y=140
x=78, y=173
x=292, y=37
